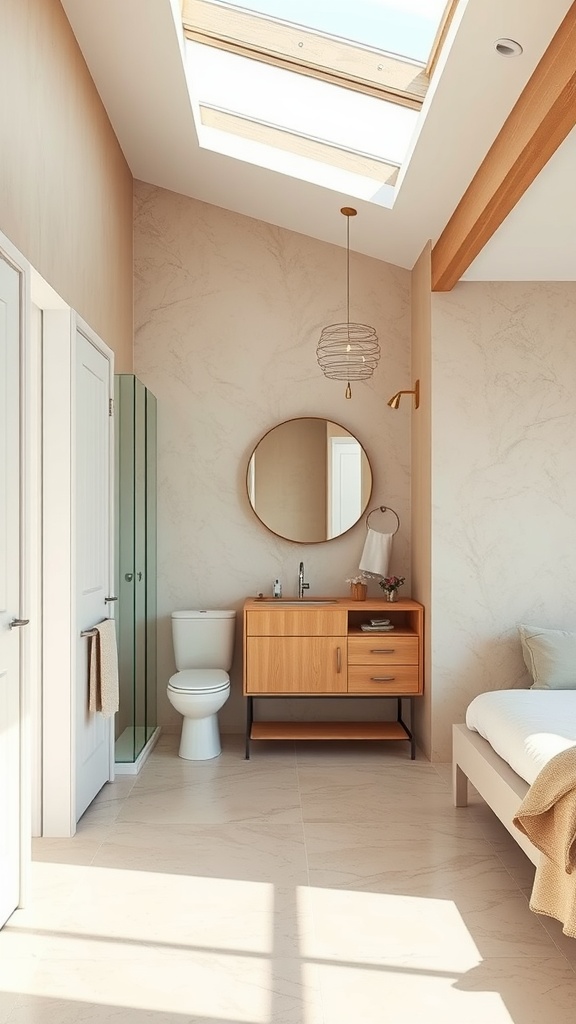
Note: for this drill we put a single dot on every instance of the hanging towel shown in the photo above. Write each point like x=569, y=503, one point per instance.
x=376, y=554
x=103, y=670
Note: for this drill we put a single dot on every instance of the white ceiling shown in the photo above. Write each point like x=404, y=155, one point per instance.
x=134, y=51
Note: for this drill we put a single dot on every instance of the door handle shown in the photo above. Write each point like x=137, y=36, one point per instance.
x=338, y=659
x=18, y=622
x=108, y=599
x=128, y=576
x=382, y=679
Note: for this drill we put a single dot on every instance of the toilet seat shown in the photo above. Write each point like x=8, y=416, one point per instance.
x=200, y=680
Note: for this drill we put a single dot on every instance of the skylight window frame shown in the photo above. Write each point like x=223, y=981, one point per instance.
x=308, y=52
x=299, y=144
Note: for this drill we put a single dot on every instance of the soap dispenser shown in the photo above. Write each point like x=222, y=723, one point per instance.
x=277, y=589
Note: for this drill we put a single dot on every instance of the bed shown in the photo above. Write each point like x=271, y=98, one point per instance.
x=508, y=737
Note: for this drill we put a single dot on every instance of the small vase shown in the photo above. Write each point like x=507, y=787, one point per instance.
x=358, y=591
x=391, y=595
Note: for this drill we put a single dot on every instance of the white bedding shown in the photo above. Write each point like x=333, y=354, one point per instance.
x=525, y=727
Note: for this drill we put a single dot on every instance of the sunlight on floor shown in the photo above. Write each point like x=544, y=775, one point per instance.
x=329, y=888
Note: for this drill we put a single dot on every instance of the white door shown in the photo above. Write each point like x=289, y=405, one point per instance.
x=10, y=555
x=346, y=478
x=93, y=562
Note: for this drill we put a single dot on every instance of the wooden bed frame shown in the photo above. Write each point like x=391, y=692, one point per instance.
x=474, y=760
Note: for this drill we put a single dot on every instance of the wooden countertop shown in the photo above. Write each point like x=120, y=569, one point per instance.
x=371, y=603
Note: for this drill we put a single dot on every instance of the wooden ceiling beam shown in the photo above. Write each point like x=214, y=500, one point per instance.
x=542, y=118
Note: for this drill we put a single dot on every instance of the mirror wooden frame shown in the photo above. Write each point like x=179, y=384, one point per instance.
x=301, y=457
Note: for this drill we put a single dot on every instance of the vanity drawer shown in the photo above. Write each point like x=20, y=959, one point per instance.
x=393, y=679
x=306, y=621
x=382, y=649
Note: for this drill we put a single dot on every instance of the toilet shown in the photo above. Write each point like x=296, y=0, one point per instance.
x=203, y=648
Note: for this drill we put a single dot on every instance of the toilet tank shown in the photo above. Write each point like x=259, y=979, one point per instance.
x=203, y=639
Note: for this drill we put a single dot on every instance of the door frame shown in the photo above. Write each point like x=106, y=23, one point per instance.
x=59, y=569
x=30, y=633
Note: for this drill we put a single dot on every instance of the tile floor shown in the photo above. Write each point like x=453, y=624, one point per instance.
x=311, y=885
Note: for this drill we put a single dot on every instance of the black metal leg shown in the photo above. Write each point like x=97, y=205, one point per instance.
x=249, y=720
x=409, y=733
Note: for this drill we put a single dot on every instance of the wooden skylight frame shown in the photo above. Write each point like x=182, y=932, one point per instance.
x=299, y=144
x=306, y=52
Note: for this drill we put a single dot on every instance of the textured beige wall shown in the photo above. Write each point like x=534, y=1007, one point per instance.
x=228, y=313
x=421, y=480
x=65, y=188
x=290, y=478
x=504, y=485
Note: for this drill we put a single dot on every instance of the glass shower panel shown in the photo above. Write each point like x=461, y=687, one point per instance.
x=135, y=535
x=140, y=568
x=151, y=563
x=124, y=535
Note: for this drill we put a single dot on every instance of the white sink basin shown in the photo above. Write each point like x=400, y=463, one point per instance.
x=297, y=603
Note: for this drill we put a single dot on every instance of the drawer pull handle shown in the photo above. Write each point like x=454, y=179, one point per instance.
x=382, y=650
x=338, y=659
x=382, y=679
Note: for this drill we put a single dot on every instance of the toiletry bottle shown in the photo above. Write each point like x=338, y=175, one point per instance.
x=277, y=588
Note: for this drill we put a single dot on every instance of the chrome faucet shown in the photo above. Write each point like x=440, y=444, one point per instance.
x=301, y=585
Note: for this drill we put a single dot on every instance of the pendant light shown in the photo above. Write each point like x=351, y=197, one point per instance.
x=348, y=351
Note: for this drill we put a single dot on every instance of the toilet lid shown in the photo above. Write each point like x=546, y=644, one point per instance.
x=203, y=680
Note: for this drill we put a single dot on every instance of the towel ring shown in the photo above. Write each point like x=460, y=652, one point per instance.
x=384, y=508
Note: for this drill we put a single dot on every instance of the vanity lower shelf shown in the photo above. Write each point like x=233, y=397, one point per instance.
x=329, y=731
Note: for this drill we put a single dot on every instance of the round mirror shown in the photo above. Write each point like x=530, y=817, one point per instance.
x=309, y=480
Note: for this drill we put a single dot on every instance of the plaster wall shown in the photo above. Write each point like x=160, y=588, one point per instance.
x=504, y=488
x=228, y=313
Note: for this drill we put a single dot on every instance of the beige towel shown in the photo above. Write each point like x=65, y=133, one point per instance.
x=547, y=815
x=376, y=554
x=103, y=670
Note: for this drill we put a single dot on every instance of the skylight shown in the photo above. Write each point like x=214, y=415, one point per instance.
x=404, y=27
x=310, y=87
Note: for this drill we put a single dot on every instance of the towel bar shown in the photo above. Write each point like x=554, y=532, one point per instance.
x=88, y=632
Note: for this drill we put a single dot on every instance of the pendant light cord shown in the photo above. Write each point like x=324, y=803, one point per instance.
x=348, y=272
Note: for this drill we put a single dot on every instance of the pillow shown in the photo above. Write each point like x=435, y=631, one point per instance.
x=550, y=657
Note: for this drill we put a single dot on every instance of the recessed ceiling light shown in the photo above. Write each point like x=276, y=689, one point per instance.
x=508, y=48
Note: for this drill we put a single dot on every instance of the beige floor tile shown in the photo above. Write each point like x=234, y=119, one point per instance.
x=145, y=918
x=394, y=796
x=76, y=850
x=507, y=991
x=309, y=885
x=385, y=861
x=340, y=755
x=249, y=851
x=360, y=924
x=264, y=754
x=207, y=988
x=263, y=796
x=564, y=943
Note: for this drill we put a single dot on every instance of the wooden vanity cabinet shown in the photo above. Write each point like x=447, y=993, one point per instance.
x=296, y=651
x=312, y=650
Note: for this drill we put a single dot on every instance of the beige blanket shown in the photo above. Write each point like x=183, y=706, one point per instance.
x=547, y=815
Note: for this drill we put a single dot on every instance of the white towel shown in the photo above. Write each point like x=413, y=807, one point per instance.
x=376, y=554
x=103, y=670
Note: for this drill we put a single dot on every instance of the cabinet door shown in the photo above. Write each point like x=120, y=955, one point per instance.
x=290, y=664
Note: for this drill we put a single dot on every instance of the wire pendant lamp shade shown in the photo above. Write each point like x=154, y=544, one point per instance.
x=348, y=351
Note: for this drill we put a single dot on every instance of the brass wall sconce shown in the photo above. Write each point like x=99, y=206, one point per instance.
x=395, y=400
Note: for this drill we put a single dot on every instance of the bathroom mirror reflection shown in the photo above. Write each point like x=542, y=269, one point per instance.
x=309, y=480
